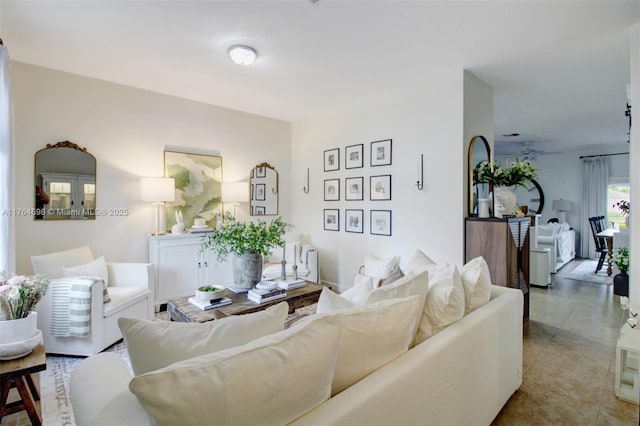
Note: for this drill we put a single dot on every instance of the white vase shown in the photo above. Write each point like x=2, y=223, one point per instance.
x=18, y=337
x=506, y=196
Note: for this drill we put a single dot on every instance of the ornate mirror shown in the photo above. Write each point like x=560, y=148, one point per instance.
x=65, y=183
x=263, y=187
x=479, y=151
x=532, y=196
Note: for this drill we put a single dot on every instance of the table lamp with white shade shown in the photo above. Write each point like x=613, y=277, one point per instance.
x=158, y=190
x=561, y=206
x=235, y=193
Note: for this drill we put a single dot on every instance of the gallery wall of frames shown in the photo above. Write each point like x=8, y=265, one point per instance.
x=369, y=178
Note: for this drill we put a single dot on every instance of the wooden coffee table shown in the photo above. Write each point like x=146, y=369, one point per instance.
x=181, y=310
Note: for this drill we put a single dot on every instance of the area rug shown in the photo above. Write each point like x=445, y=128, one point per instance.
x=585, y=271
x=55, y=395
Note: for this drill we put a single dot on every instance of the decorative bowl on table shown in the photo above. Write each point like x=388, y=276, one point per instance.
x=210, y=292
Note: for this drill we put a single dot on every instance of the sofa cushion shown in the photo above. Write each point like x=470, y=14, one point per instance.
x=331, y=302
x=444, y=304
x=380, y=268
x=121, y=298
x=409, y=285
x=95, y=268
x=362, y=286
x=418, y=263
x=52, y=263
x=157, y=344
x=371, y=336
x=476, y=280
x=272, y=380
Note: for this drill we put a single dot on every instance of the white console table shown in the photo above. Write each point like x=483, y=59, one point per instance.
x=627, y=385
x=180, y=266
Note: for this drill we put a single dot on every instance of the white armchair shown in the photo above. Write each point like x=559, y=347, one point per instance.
x=304, y=255
x=130, y=288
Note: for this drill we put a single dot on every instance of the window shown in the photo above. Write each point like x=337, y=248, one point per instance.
x=615, y=194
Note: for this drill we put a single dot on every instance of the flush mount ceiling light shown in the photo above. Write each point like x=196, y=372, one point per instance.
x=242, y=55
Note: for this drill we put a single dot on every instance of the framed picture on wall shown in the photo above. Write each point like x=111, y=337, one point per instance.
x=261, y=172
x=381, y=153
x=332, y=190
x=260, y=189
x=331, y=219
x=332, y=160
x=380, y=222
x=353, y=221
x=353, y=189
x=353, y=156
x=380, y=187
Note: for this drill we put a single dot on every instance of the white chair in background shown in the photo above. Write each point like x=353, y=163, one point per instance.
x=130, y=288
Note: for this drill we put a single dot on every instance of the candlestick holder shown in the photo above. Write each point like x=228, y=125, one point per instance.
x=284, y=269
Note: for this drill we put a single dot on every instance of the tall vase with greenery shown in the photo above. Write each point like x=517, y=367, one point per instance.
x=246, y=242
x=621, y=280
x=503, y=179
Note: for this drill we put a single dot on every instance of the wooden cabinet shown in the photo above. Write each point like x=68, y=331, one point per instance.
x=180, y=266
x=504, y=243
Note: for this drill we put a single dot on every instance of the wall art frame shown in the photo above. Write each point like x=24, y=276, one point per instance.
x=331, y=220
x=198, y=182
x=354, y=221
x=260, y=192
x=381, y=153
x=354, y=188
x=380, y=188
x=354, y=156
x=332, y=190
x=332, y=160
x=380, y=222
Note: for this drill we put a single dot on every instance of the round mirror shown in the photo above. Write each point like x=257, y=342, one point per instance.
x=479, y=151
x=531, y=195
x=65, y=183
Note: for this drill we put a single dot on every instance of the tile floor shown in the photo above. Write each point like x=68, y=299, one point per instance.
x=569, y=358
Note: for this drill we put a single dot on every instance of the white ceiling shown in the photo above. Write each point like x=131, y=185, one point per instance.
x=558, y=69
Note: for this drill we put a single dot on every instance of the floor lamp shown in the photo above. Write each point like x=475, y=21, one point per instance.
x=561, y=206
x=158, y=191
x=235, y=193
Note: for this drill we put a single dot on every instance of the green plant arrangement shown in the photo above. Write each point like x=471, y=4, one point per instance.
x=240, y=238
x=518, y=174
x=621, y=259
x=20, y=294
x=623, y=206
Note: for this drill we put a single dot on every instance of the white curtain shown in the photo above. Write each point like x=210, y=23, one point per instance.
x=595, y=182
x=7, y=225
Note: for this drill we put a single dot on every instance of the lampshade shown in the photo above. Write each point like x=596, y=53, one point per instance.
x=235, y=192
x=157, y=189
x=242, y=55
x=561, y=205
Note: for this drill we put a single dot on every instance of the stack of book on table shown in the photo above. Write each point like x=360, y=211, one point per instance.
x=290, y=283
x=261, y=296
x=205, y=305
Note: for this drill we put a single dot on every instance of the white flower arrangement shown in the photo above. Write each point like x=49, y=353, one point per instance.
x=20, y=294
x=519, y=173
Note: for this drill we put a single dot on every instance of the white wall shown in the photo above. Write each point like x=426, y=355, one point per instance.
x=427, y=121
x=126, y=129
x=634, y=281
x=560, y=176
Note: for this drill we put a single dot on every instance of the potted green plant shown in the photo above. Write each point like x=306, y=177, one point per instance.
x=624, y=207
x=621, y=280
x=247, y=242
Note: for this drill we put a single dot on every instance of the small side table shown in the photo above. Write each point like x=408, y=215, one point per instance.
x=627, y=385
x=17, y=373
x=539, y=271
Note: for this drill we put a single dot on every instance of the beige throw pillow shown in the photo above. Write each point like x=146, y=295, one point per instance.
x=272, y=380
x=380, y=268
x=95, y=268
x=157, y=344
x=476, y=280
x=418, y=263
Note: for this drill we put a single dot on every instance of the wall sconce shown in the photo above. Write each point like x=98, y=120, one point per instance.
x=235, y=193
x=306, y=187
x=561, y=206
x=420, y=181
x=158, y=191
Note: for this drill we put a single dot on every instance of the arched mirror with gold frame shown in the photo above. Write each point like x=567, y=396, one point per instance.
x=263, y=191
x=65, y=183
x=479, y=151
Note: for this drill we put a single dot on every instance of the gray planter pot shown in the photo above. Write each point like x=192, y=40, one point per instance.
x=247, y=270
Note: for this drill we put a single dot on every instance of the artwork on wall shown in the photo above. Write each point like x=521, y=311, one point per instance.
x=198, y=181
x=353, y=156
x=381, y=153
x=380, y=222
x=353, y=189
x=353, y=221
x=260, y=188
x=380, y=187
x=332, y=160
x=331, y=219
x=332, y=190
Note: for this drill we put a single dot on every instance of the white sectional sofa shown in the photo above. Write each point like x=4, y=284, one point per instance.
x=463, y=375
